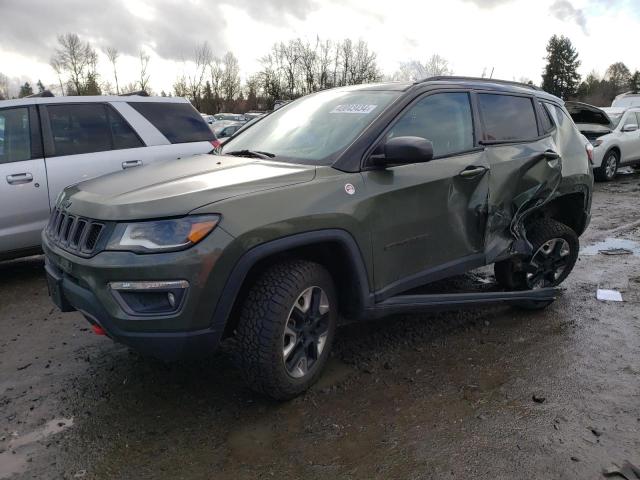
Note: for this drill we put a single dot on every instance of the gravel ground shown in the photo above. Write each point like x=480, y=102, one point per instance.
x=491, y=393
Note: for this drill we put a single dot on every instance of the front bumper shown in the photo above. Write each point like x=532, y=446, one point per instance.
x=82, y=284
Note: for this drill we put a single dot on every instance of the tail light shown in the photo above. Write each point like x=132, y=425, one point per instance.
x=216, y=143
x=589, y=149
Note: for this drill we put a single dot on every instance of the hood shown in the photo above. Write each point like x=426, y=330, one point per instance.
x=176, y=187
x=585, y=114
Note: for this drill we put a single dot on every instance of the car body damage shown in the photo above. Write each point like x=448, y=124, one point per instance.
x=516, y=190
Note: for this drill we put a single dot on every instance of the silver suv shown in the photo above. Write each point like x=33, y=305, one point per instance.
x=47, y=144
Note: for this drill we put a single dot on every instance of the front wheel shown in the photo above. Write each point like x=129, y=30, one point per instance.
x=555, y=252
x=286, y=328
x=607, y=171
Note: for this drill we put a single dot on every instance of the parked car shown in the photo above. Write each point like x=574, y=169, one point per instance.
x=614, y=134
x=233, y=117
x=629, y=99
x=208, y=118
x=337, y=207
x=225, y=131
x=253, y=114
x=49, y=143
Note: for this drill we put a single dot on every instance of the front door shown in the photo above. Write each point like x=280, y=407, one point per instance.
x=428, y=219
x=24, y=200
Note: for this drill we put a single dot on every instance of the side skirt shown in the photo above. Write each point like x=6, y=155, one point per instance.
x=454, y=301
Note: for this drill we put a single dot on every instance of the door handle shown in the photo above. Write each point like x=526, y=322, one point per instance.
x=131, y=164
x=19, y=178
x=551, y=155
x=472, y=171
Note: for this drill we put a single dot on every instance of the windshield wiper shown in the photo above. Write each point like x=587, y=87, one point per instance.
x=251, y=154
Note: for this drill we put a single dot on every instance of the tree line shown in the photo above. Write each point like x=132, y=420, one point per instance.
x=562, y=79
x=295, y=68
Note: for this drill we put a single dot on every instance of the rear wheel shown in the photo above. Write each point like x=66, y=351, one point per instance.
x=555, y=252
x=286, y=329
x=607, y=171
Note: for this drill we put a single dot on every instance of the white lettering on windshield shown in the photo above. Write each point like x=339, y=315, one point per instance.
x=354, y=108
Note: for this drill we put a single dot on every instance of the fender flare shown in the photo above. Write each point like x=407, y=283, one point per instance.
x=249, y=259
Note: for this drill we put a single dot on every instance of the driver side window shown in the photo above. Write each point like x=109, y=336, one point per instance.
x=443, y=118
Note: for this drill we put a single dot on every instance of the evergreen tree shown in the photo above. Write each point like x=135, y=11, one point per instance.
x=40, y=86
x=634, y=82
x=25, y=90
x=561, y=77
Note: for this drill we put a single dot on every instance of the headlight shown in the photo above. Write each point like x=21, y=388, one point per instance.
x=162, y=235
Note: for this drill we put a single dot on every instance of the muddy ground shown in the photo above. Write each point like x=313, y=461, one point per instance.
x=420, y=396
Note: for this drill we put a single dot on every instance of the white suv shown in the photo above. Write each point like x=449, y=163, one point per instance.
x=48, y=143
x=614, y=133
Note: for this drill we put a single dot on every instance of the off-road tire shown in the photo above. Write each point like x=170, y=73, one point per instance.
x=261, y=325
x=511, y=278
x=600, y=173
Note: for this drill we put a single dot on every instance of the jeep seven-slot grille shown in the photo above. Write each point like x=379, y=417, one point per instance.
x=72, y=233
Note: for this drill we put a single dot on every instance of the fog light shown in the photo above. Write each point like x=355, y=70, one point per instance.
x=150, y=297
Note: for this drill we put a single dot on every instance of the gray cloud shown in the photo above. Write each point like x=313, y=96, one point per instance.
x=565, y=11
x=31, y=26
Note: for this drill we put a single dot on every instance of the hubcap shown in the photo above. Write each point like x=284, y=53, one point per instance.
x=306, y=331
x=548, y=263
x=610, y=168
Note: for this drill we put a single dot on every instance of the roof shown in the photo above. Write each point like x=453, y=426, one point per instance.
x=88, y=99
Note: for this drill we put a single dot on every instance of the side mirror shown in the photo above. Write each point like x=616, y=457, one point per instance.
x=630, y=127
x=404, y=151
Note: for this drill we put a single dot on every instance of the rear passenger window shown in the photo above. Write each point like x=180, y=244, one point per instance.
x=507, y=118
x=545, y=119
x=179, y=122
x=443, y=118
x=123, y=135
x=15, y=138
x=79, y=128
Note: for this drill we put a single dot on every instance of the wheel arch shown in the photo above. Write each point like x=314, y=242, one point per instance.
x=569, y=209
x=334, y=249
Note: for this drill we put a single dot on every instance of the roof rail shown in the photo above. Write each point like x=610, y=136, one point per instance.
x=477, y=79
x=44, y=93
x=139, y=93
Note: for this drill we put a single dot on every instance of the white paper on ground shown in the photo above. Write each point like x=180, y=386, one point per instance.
x=608, y=295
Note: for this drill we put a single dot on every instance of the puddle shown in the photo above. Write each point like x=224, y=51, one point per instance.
x=14, y=459
x=611, y=245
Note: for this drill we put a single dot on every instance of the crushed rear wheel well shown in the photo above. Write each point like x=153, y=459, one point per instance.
x=568, y=209
x=332, y=255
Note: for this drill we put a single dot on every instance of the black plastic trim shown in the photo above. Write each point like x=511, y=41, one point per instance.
x=249, y=259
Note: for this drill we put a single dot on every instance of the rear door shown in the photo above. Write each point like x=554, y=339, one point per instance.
x=24, y=200
x=86, y=140
x=525, y=163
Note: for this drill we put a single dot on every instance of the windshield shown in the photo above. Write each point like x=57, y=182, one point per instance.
x=313, y=129
x=615, y=119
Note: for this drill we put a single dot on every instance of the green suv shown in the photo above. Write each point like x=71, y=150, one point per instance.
x=336, y=207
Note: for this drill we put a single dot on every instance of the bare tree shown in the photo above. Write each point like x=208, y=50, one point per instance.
x=112, y=55
x=414, y=70
x=144, y=76
x=230, y=83
x=58, y=69
x=4, y=87
x=216, y=72
x=202, y=59
x=75, y=57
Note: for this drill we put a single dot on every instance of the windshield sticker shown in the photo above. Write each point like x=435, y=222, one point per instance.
x=354, y=108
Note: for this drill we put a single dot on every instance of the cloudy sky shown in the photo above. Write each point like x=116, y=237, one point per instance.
x=506, y=35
